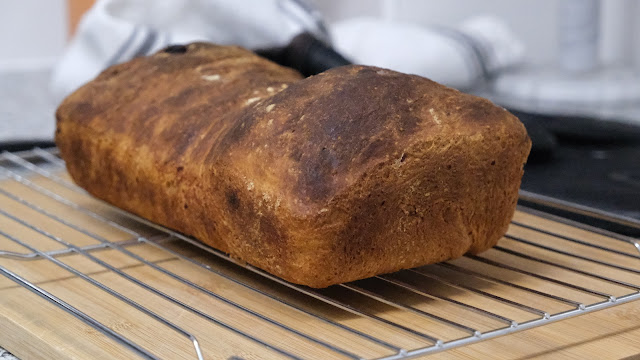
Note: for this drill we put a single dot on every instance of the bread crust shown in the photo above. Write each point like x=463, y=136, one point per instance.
x=352, y=173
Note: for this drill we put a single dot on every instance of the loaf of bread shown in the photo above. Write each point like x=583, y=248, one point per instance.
x=354, y=172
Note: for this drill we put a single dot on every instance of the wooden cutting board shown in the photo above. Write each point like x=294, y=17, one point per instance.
x=246, y=305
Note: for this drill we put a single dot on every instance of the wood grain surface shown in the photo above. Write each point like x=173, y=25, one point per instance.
x=33, y=328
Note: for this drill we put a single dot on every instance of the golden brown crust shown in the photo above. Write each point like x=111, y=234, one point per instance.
x=355, y=172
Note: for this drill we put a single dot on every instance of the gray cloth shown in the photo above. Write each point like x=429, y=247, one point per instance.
x=5, y=355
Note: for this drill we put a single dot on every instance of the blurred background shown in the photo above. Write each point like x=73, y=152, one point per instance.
x=36, y=32
x=569, y=69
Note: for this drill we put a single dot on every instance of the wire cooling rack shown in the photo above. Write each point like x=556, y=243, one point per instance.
x=181, y=296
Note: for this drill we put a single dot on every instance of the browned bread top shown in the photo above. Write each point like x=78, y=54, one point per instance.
x=336, y=126
x=162, y=101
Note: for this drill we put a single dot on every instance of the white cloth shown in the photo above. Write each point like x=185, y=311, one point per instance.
x=114, y=31
x=459, y=57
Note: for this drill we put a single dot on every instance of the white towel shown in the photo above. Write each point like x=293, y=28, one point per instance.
x=460, y=56
x=114, y=31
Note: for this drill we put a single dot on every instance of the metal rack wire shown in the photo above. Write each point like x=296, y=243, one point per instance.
x=527, y=252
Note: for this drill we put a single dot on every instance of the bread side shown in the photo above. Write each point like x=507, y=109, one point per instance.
x=365, y=171
x=138, y=135
x=348, y=174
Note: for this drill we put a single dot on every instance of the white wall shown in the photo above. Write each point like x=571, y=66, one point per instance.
x=31, y=31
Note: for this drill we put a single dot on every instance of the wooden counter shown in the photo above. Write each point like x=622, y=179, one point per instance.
x=226, y=305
